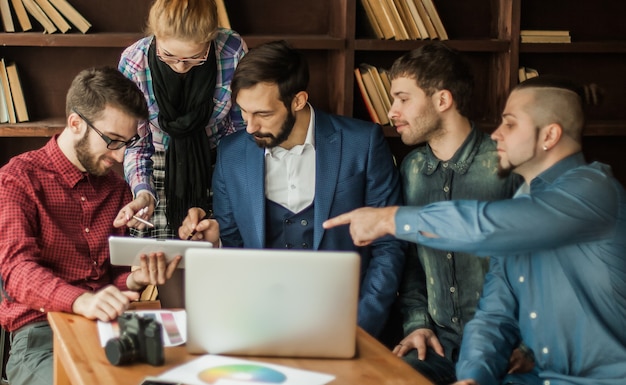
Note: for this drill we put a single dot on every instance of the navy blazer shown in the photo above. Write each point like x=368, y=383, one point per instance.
x=355, y=168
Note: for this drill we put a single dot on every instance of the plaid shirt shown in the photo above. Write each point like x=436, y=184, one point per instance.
x=55, y=223
x=225, y=119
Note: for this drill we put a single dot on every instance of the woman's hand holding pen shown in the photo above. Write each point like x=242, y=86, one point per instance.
x=137, y=213
x=198, y=225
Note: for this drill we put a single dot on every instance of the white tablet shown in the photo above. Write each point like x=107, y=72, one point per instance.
x=125, y=251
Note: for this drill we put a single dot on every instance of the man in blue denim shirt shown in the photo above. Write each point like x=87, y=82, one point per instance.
x=432, y=91
x=557, y=277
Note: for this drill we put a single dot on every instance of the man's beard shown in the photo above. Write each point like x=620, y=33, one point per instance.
x=284, y=133
x=86, y=158
x=504, y=172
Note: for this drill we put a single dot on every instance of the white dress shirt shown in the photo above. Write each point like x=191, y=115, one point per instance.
x=290, y=174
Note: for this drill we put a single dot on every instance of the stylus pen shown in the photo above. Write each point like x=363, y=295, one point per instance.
x=193, y=232
x=145, y=222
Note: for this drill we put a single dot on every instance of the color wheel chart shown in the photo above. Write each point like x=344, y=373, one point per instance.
x=220, y=370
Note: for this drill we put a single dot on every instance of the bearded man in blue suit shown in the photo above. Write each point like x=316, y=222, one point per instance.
x=295, y=167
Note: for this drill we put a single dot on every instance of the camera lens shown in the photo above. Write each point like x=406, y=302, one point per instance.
x=121, y=351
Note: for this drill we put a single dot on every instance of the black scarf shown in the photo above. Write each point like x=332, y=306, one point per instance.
x=185, y=107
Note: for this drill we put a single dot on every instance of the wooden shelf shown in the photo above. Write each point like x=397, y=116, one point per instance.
x=91, y=40
x=486, y=45
x=575, y=47
x=46, y=128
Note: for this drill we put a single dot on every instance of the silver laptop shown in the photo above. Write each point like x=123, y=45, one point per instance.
x=290, y=303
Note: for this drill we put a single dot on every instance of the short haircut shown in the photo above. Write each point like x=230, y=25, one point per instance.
x=275, y=63
x=93, y=89
x=189, y=20
x=556, y=100
x=435, y=67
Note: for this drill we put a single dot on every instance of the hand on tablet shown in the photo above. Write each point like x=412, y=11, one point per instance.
x=153, y=270
x=196, y=228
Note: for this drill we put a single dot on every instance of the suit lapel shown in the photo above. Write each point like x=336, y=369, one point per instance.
x=255, y=178
x=327, y=163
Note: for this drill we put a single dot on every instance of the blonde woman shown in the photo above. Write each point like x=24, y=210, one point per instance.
x=184, y=68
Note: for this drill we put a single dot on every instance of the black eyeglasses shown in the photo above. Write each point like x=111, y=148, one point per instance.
x=112, y=144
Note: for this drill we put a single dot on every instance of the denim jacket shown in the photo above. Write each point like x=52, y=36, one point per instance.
x=440, y=289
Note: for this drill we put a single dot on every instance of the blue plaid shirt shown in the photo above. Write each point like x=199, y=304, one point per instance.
x=225, y=119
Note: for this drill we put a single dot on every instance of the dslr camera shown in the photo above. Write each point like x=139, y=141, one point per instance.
x=140, y=340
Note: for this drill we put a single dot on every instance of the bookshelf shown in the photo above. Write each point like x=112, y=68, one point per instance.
x=335, y=37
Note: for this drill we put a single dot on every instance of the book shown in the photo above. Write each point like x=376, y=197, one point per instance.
x=7, y=20
x=421, y=27
x=380, y=87
x=16, y=93
x=222, y=15
x=22, y=15
x=374, y=94
x=546, y=39
x=407, y=19
x=543, y=32
x=398, y=26
x=428, y=23
x=4, y=112
x=4, y=79
x=71, y=14
x=369, y=12
x=383, y=19
x=434, y=17
x=54, y=15
x=40, y=16
x=366, y=98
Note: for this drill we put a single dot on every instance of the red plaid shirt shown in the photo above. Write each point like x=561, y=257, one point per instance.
x=54, y=224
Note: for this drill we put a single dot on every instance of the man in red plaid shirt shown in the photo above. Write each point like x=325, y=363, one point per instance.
x=59, y=205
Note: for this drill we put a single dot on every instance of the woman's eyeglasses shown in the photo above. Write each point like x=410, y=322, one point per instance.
x=171, y=60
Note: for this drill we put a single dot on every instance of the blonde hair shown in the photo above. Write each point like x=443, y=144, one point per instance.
x=192, y=20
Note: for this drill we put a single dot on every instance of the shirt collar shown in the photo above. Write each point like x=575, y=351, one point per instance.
x=461, y=160
x=67, y=169
x=308, y=141
x=558, y=169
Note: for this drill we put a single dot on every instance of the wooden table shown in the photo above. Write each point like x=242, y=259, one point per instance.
x=80, y=360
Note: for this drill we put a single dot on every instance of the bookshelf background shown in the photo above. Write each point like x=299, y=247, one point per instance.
x=334, y=35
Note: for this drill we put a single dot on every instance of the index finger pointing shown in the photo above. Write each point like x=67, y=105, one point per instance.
x=343, y=219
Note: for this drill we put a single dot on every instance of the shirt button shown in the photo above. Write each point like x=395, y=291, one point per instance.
x=293, y=186
x=42, y=310
x=521, y=278
x=449, y=255
x=455, y=319
x=546, y=382
x=533, y=315
x=87, y=229
x=95, y=263
x=304, y=222
x=446, y=189
x=452, y=289
x=445, y=165
x=545, y=350
x=305, y=245
x=407, y=227
x=288, y=246
x=287, y=221
x=83, y=199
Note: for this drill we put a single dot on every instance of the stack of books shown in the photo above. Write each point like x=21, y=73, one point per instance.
x=404, y=19
x=53, y=15
x=375, y=88
x=12, y=103
x=545, y=36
